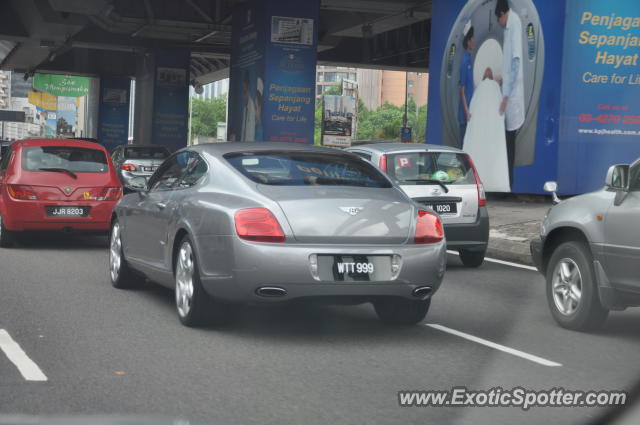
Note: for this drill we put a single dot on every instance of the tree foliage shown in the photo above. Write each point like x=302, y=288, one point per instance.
x=206, y=114
x=382, y=123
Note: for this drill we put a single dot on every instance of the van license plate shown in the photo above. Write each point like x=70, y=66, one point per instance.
x=444, y=208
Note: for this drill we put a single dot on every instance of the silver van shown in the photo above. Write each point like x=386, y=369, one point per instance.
x=445, y=180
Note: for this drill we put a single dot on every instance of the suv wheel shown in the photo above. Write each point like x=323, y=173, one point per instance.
x=472, y=258
x=400, y=311
x=7, y=237
x=572, y=292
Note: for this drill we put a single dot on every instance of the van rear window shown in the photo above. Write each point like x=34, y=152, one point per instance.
x=414, y=168
x=77, y=160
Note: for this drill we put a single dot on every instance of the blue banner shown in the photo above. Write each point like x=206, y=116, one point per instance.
x=600, y=123
x=514, y=145
x=273, y=68
x=171, y=99
x=113, y=115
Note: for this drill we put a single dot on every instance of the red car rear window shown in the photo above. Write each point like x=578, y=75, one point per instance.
x=77, y=160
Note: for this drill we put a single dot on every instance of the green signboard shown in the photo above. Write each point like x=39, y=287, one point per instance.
x=61, y=85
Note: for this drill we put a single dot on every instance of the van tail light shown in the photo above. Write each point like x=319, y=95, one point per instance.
x=382, y=164
x=110, y=194
x=258, y=225
x=428, y=228
x=22, y=192
x=482, y=197
x=128, y=167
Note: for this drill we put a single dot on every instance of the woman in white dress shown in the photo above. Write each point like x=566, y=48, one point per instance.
x=485, y=138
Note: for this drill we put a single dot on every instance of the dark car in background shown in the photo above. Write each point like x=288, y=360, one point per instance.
x=138, y=160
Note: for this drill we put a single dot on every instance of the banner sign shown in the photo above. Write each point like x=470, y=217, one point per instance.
x=171, y=99
x=600, y=116
x=273, y=68
x=515, y=148
x=337, y=120
x=61, y=85
x=43, y=100
x=113, y=115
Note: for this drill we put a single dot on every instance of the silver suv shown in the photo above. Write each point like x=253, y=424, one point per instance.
x=445, y=180
x=589, y=251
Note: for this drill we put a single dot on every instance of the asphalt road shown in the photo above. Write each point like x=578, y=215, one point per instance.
x=106, y=351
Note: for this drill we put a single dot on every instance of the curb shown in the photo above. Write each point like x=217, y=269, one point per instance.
x=503, y=249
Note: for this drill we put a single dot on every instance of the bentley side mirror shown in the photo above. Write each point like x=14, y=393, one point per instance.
x=552, y=187
x=618, y=178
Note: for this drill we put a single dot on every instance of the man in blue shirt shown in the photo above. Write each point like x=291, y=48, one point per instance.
x=466, y=80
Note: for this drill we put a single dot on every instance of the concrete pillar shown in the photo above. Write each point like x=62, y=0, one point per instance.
x=143, y=112
x=273, y=71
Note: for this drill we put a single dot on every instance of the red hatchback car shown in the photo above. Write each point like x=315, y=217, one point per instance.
x=56, y=184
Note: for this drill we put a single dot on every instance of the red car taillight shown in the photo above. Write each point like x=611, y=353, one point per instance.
x=21, y=192
x=482, y=197
x=428, y=228
x=110, y=194
x=128, y=167
x=258, y=225
x=382, y=164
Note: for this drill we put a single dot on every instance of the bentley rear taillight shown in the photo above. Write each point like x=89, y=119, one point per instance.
x=428, y=228
x=258, y=225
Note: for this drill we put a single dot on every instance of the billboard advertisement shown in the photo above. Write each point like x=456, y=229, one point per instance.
x=600, y=116
x=171, y=99
x=273, y=68
x=494, y=87
x=113, y=115
x=337, y=120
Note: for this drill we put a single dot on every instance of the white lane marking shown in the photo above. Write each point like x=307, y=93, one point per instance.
x=506, y=263
x=495, y=346
x=29, y=370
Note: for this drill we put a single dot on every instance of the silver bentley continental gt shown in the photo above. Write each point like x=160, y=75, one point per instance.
x=230, y=223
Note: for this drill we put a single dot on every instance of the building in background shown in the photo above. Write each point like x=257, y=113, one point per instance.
x=377, y=87
x=14, y=90
x=328, y=76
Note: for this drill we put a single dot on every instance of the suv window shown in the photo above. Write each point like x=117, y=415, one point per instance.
x=448, y=167
x=302, y=168
x=77, y=160
x=169, y=172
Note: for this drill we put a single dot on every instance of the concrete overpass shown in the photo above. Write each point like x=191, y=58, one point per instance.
x=97, y=37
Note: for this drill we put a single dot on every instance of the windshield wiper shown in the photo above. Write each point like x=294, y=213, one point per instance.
x=446, y=189
x=60, y=170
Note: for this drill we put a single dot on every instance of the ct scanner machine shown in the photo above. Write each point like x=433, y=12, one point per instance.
x=488, y=37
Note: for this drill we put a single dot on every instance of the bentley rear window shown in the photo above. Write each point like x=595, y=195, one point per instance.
x=307, y=168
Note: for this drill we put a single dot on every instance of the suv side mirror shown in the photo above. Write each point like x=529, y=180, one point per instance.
x=552, y=187
x=618, y=178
